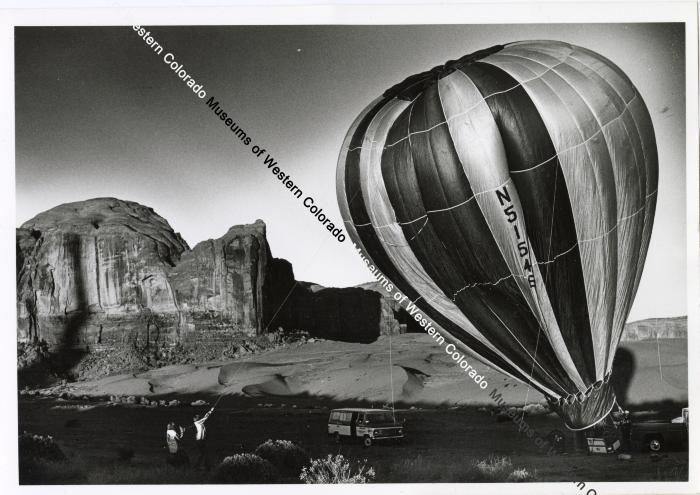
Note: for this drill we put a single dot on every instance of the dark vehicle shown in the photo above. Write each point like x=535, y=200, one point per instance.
x=369, y=425
x=658, y=435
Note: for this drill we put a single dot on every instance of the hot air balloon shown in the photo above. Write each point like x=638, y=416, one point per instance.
x=511, y=194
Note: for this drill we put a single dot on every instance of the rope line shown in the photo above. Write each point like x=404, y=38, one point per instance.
x=294, y=285
x=554, y=380
x=185, y=428
x=549, y=253
x=658, y=354
x=391, y=379
x=221, y=395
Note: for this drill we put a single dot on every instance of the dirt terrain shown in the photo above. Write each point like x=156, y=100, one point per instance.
x=421, y=373
x=440, y=444
x=288, y=394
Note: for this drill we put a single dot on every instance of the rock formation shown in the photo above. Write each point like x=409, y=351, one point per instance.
x=394, y=318
x=350, y=314
x=219, y=283
x=107, y=272
x=653, y=328
x=86, y=269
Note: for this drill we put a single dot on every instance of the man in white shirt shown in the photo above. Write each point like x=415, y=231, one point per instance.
x=201, y=439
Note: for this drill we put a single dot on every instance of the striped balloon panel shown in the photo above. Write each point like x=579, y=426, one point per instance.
x=366, y=237
x=512, y=198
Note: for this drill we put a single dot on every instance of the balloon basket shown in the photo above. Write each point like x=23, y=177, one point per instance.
x=603, y=438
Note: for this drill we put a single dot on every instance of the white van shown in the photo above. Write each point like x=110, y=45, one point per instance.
x=369, y=425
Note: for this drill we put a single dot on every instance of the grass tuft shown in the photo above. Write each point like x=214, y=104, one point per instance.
x=336, y=469
x=494, y=468
x=521, y=474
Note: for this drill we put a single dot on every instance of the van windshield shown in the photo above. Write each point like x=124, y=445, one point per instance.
x=379, y=418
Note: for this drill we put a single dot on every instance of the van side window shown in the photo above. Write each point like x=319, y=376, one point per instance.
x=335, y=415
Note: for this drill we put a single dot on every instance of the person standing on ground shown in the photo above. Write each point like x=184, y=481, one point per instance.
x=201, y=439
x=176, y=456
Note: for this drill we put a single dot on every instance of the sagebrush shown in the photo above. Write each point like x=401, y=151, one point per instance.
x=32, y=447
x=500, y=468
x=40, y=458
x=521, y=474
x=285, y=455
x=336, y=469
x=495, y=468
x=244, y=468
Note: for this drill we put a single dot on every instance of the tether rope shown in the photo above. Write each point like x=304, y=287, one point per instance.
x=549, y=253
x=661, y=373
x=391, y=379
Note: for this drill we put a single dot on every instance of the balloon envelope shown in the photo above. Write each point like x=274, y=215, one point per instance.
x=511, y=195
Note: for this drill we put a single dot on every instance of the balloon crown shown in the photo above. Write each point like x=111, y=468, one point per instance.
x=413, y=85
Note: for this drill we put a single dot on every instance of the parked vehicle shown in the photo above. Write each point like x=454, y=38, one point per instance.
x=368, y=425
x=657, y=435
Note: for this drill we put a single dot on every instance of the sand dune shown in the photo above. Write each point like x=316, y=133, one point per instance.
x=274, y=386
x=361, y=362
x=231, y=373
x=415, y=380
x=120, y=385
x=166, y=371
x=421, y=374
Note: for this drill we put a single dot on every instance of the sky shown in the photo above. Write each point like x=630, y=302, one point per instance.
x=98, y=113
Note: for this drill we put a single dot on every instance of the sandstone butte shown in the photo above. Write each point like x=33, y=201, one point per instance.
x=106, y=272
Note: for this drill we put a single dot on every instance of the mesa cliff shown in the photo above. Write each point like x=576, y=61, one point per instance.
x=656, y=328
x=95, y=272
x=106, y=272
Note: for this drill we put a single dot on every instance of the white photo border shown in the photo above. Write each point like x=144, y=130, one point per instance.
x=334, y=14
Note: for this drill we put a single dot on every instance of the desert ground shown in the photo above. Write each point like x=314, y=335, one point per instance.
x=288, y=393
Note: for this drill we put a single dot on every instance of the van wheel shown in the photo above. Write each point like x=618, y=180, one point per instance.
x=655, y=444
x=336, y=437
x=367, y=441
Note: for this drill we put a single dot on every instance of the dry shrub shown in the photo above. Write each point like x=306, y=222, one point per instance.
x=32, y=354
x=244, y=468
x=500, y=468
x=32, y=447
x=495, y=468
x=521, y=474
x=286, y=456
x=41, y=461
x=536, y=409
x=336, y=469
